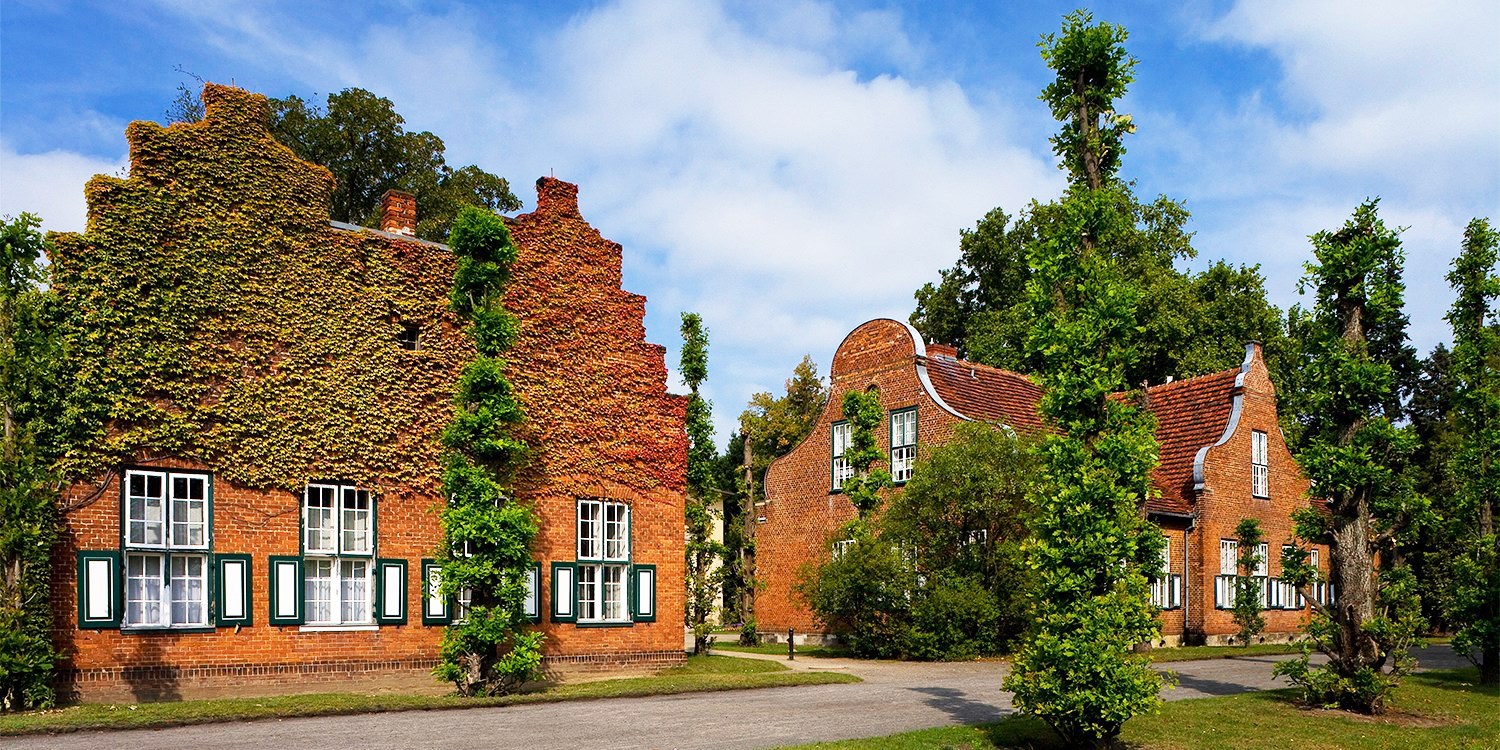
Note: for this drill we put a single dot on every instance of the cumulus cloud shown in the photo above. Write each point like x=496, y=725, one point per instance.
x=50, y=185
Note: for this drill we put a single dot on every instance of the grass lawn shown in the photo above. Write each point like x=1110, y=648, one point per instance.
x=1432, y=710
x=700, y=674
x=1199, y=653
x=779, y=649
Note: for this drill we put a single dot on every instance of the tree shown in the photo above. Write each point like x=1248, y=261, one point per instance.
x=487, y=533
x=28, y=489
x=864, y=487
x=1475, y=466
x=964, y=517
x=361, y=139
x=1247, y=588
x=1354, y=344
x=1092, y=546
x=702, y=550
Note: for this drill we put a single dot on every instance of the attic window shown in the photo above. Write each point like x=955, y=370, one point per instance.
x=407, y=336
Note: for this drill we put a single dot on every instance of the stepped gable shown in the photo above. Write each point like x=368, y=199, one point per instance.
x=1190, y=414
x=986, y=393
x=594, y=390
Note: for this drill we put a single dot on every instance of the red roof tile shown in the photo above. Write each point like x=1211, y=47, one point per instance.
x=987, y=393
x=1190, y=414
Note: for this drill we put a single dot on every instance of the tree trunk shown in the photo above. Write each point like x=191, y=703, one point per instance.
x=1352, y=569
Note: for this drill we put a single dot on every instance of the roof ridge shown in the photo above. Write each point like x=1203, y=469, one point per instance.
x=983, y=367
x=1196, y=379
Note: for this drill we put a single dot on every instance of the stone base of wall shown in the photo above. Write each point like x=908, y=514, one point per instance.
x=413, y=676
x=1233, y=640
x=801, y=639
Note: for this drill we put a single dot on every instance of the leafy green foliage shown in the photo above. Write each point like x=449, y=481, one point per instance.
x=28, y=488
x=361, y=139
x=1092, y=545
x=1475, y=467
x=1247, y=590
x=702, y=573
x=938, y=575
x=487, y=534
x=1353, y=349
x=865, y=414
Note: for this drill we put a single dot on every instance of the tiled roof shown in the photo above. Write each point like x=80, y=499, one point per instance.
x=987, y=393
x=1190, y=414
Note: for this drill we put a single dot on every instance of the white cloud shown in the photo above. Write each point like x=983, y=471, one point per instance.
x=50, y=185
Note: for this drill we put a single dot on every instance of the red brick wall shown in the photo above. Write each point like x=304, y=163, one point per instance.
x=1226, y=499
x=802, y=513
x=602, y=425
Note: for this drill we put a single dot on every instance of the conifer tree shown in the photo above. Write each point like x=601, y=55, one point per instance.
x=1476, y=463
x=1093, y=549
x=702, y=550
x=487, y=533
x=1353, y=454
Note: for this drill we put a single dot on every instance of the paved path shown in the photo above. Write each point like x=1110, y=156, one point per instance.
x=895, y=697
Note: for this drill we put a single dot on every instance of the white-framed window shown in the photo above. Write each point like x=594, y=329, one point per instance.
x=1260, y=467
x=603, y=561
x=338, y=549
x=841, y=468
x=167, y=540
x=903, y=443
x=1229, y=553
x=1262, y=565
x=1166, y=590
x=840, y=547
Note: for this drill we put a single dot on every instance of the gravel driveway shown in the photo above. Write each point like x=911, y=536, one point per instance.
x=894, y=697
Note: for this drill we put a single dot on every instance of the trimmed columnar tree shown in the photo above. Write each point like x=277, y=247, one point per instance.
x=1475, y=464
x=28, y=489
x=702, y=550
x=1247, y=589
x=864, y=487
x=1353, y=454
x=1092, y=547
x=487, y=533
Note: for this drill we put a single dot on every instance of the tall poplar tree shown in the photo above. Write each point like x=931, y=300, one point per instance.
x=1093, y=548
x=1353, y=341
x=487, y=533
x=1475, y=464
x=702, y=550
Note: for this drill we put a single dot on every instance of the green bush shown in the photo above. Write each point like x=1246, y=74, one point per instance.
x=955, y=620
x=864, y=595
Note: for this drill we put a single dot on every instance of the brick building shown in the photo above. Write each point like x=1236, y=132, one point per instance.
x=1222, y=459
x=287, y=535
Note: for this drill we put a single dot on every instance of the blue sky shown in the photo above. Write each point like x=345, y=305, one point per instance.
x=790, y=170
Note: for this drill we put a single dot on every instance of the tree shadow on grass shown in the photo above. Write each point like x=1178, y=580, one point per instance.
x=1461, y=680
x=1031, y=733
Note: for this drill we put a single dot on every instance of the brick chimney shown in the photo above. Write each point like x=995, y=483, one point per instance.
x=398, y=213
x=942, y=351
x=553, y=196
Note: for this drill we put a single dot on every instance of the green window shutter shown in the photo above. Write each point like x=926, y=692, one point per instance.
x=390, y=592
x=643, y=593
x=101, y=598
x=436, y=609
x=285, y=594
x=231, y=584
x=534, y=592
x=564, y=592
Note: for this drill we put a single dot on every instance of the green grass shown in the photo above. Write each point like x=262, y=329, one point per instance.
x=779, y=649
x=700, y=674
x=1199, y=653
x=1441, y=709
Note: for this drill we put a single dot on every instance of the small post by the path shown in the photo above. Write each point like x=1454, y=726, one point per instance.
x=791, y=645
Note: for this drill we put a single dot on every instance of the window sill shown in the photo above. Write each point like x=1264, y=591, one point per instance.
x=337, y=628
x=150, y=629
x=602, y=624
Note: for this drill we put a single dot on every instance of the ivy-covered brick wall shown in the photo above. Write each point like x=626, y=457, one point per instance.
x=217, y=321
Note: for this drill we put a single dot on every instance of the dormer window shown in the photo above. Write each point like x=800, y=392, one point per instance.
x=1260, y=469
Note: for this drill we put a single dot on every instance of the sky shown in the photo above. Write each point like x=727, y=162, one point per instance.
x=790, y=170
